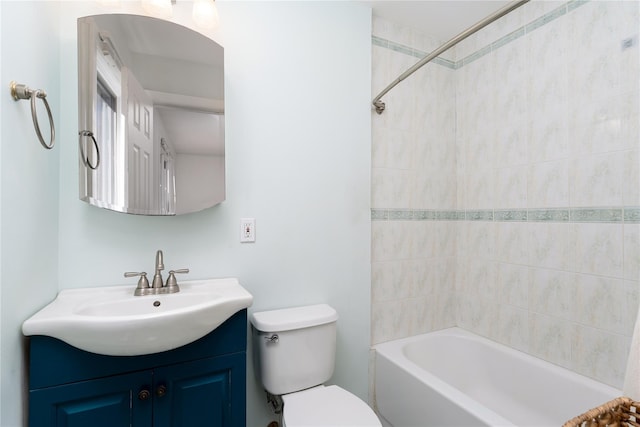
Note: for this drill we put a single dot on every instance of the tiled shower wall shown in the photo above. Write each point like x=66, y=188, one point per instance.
x=519, y=220
x=414, y=169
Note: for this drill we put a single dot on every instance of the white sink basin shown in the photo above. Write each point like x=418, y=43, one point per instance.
x=111, y=321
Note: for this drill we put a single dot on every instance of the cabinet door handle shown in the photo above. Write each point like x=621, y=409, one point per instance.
x=161, y=390
x=144, y=394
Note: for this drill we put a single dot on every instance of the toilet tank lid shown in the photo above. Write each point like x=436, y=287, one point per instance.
x=293, y=318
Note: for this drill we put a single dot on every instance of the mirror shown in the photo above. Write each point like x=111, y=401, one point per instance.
x=151, y=116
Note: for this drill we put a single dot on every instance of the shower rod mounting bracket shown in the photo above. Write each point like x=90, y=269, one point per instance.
x=380, y=106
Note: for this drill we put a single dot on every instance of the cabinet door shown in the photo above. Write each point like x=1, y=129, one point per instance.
x=204, y=393
x=105, y=402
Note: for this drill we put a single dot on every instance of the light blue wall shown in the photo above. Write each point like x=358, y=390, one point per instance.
x=298, y=160
x=29, y=188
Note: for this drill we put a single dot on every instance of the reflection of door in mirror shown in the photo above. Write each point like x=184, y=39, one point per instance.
x=139, y=179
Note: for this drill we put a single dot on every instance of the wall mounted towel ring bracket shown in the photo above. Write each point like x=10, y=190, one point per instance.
x=19, y=91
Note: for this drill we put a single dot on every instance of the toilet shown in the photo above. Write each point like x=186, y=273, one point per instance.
x=294, y=354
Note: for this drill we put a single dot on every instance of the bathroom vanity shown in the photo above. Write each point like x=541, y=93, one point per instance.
x=199, y=384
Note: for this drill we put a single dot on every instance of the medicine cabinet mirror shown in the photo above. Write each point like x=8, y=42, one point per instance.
x=151, y=116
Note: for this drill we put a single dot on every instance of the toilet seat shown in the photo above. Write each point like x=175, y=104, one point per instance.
x=329, y=406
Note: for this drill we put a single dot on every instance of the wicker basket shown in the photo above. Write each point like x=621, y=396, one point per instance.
x=620, y=412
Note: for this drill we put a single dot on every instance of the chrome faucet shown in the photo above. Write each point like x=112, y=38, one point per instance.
x=157, y=278
x=157, y=287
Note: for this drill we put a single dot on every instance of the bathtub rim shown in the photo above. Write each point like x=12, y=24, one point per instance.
x=393, y=351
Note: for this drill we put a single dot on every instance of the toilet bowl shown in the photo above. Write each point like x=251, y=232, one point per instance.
x=294, y=355
x=324, y=406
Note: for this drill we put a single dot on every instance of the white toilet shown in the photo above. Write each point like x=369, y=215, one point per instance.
x=294, y=354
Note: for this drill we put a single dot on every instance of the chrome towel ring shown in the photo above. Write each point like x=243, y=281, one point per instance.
x=85, y=158
x=19, y=91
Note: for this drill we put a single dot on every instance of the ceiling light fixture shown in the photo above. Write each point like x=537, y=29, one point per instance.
x=114, y=4
x=205, y=13
x=158, y=8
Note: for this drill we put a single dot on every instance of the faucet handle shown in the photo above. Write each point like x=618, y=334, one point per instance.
x=143, y=282
x=171, y=280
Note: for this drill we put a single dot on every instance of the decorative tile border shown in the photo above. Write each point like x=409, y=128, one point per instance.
x=449, y=216
x=632, y=215
x=596, y=215
x=505, y=215
x=549, y=215
x=546, y=18
x=502, y=41
x=479, y=215
x=424, y=215
x=627, y=214
x=400, y=215
x=407, y=50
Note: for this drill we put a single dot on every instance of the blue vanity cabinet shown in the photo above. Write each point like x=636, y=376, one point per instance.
x=202, y=384
x=197, y=393
x=102, y=402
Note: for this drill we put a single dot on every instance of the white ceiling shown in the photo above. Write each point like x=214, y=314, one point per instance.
x=441, y=18
x=193, y=132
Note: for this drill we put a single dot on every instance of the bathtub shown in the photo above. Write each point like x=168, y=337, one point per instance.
x=455, y=378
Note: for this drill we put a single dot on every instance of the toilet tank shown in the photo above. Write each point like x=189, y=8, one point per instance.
x=294, y=348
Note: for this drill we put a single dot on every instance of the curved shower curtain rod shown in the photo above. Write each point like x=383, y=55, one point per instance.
x=380, y=106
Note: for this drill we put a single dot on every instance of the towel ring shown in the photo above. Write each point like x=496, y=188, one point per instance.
x=85, y=158
x=18, y=92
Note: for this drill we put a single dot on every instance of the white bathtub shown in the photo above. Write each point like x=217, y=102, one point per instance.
x=455, y=378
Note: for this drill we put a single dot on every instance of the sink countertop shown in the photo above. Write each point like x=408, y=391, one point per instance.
x=111, y=321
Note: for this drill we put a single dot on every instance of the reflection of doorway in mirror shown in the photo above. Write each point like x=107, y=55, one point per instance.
x=139, y=140
x=106, y=131
x=107, y=181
